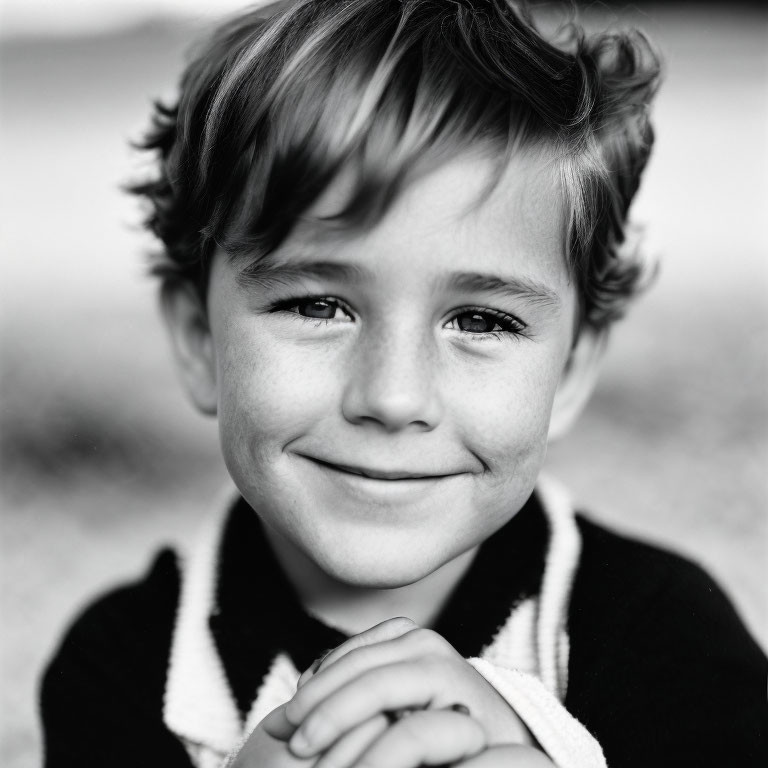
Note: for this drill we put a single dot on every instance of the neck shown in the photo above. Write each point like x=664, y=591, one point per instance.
x=353, y=609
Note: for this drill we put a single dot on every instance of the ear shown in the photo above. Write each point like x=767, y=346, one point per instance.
x=193, y=350
x=577, y=381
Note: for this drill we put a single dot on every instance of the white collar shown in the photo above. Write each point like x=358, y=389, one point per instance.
x=200, y=708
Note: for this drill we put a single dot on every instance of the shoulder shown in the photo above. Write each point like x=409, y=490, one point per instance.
x=620, y=579
x=138, y=615
x=656, y=647
x=117, y=648
x=617, y=570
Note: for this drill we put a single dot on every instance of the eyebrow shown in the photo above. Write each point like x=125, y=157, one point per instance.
x=267, y=273
x=514, y=287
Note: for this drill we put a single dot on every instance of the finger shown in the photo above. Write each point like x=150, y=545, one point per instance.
x=386, y=630
x=409, y=684
x=347, y=750
x=314, y=667
x=343, y=672
x=277, y=725
x=416, y=643
x=430, y=737
x=262, y=749
x=509, y=756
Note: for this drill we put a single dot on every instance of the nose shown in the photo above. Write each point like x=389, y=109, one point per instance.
x=393, y=384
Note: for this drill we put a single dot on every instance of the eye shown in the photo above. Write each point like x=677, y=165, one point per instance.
x=485, y=321
x=315, y=308
x=476, y=322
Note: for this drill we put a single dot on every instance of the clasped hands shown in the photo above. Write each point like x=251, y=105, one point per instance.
x=395, y=696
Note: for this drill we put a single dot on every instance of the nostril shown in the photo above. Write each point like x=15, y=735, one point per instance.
x=392, y=387
x=392, y=413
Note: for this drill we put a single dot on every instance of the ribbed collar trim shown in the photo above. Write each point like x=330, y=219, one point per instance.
x=200, y=707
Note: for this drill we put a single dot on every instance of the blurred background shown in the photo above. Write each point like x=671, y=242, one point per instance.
x=102, y=459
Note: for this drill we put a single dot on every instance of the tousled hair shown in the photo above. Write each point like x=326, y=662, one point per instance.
x=280, y=99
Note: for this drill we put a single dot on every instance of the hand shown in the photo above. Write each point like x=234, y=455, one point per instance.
x=429, y=738
x=508, y=756
x=267, y=745
x=341, y=706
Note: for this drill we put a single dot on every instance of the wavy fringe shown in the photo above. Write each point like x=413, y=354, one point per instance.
x=278, y=100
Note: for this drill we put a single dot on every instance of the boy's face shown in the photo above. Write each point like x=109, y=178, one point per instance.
x=384, y=397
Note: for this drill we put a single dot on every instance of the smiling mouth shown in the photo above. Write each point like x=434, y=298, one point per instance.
x=378, y=474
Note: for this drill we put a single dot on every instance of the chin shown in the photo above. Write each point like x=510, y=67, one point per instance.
x=377, y=569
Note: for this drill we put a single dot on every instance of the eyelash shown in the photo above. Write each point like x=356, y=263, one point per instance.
x=289, y=306
x=510, y=326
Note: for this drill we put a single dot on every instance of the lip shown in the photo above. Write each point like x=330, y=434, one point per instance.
x=378, y=473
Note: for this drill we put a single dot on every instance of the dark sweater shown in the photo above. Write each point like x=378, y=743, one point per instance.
x=662, y=672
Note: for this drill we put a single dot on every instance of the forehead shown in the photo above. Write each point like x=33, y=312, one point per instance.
x=463, y=216
x=457, y=208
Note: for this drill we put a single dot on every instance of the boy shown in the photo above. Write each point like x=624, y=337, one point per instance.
x=392, y=240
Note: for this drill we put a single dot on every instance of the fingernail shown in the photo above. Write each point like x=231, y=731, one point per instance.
x=319, y=660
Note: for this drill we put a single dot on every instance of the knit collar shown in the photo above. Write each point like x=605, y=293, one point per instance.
x=506, y=569
x=201, y=708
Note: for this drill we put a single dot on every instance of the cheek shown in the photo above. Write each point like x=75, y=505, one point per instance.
x=269, y=392
x=507, y=419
